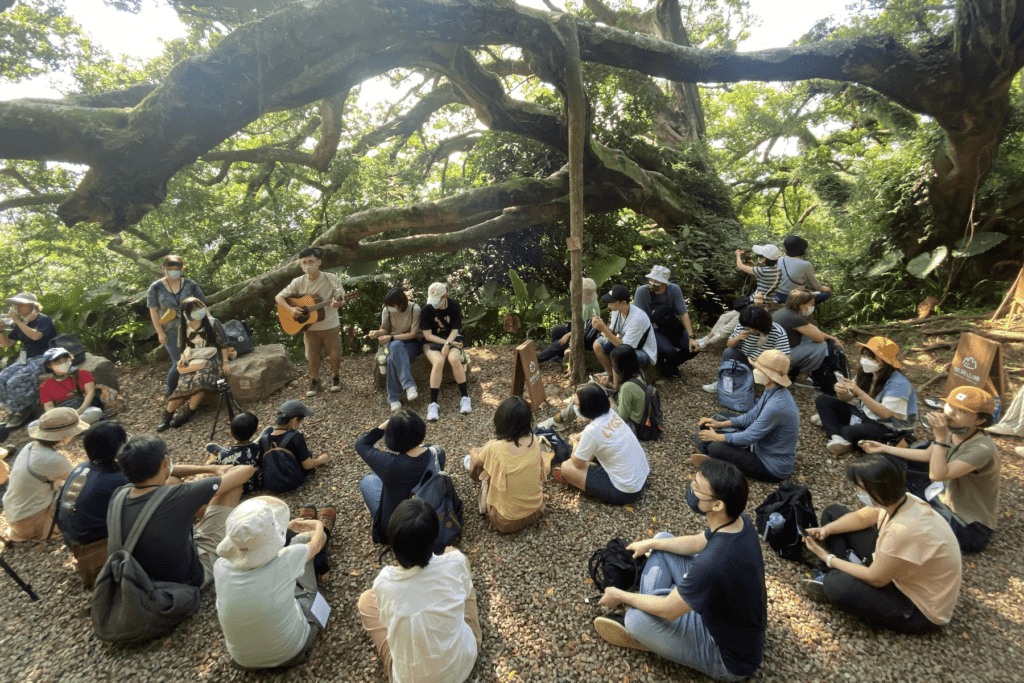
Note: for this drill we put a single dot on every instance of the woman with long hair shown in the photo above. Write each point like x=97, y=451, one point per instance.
x=400, y=334
x=882, y=400
x=205, y=356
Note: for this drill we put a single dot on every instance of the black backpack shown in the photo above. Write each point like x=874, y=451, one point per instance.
x=558, y=445
x=650, y=426
x=70, y=344
x=825, y=376
x=281, y=471
x=793, y=502
x=614, y=566
x=239, y=336
x=437, y=489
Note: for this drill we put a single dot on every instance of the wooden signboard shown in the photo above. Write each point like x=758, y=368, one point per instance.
x=978, y=363
x=526, y=373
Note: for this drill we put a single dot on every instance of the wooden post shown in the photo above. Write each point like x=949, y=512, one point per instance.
x=576, y=111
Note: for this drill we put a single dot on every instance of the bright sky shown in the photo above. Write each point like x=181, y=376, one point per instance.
x=140, y=35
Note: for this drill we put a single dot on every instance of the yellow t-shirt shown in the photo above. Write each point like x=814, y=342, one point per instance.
x=925, y=542
x=515, y=488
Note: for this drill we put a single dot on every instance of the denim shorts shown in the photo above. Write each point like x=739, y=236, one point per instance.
x=600, y=486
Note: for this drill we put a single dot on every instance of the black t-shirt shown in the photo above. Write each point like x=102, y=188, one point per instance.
x=165, y=549
x=725, y=586
x=84, y=501
x=441, y=321
x=296, y=444
x=35, y=347
x=789, y=320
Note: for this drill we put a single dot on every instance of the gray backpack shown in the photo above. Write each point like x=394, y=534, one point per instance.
x=128, y=607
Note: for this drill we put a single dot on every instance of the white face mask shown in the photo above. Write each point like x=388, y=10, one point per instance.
x=865, y=498
x=869, y=366
x=174, y=274
x=61, y=368
x=392, y=310
x=760, y=377
x=198, y=314
x=311, y=268
x=810, y=309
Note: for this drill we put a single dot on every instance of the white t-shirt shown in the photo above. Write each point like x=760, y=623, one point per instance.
x=261, y=619
x=26, y=495
x=631, y=328
x=610, y=440
x=326, y=286
x=424, y=610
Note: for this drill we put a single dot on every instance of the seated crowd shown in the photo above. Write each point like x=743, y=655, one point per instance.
x=701, y=599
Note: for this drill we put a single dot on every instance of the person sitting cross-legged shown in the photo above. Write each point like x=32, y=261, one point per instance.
x=894, y=563
x=629, y=325
x=86, y=496
x=422, y=613
x=620, y=472
x=265, y=588
x=170, y=547
x=764, y=448
x=965, y=459
x=702, y=600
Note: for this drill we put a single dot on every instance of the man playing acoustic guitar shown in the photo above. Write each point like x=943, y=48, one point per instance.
x=325, y=333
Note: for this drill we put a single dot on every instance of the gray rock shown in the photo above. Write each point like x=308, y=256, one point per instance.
x=103, y=371
x=257, y=375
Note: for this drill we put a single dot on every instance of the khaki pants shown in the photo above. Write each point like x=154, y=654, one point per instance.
x=370, y=616
x=34, y=528
x=317, y=341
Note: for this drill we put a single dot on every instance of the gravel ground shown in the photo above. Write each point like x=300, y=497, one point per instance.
x=531, y=585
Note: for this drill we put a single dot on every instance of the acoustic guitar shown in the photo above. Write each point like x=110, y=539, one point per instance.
x=312, y=312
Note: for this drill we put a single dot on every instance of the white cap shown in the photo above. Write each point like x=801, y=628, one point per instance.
x=435, y=293
x=769, y=251
x=254, y=532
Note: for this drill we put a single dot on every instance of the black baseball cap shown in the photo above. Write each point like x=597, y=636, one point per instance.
x=616, y=293
x=294, y=408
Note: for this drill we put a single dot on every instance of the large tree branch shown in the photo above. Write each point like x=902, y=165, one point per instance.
x=32, y=200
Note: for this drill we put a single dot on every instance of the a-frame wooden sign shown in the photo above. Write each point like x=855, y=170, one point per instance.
x=526, y=374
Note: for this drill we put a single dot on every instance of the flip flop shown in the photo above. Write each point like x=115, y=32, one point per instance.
x=613, y=630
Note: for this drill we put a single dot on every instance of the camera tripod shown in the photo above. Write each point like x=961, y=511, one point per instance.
x=11, y=573
x=225, y=398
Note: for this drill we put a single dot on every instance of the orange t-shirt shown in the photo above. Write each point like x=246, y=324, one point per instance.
x=931, y=573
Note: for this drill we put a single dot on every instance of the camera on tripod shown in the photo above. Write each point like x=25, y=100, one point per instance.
x=223, y=386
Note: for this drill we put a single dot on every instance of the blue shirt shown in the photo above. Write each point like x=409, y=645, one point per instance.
x=35, y=347
x=158, y=296
x=646, y=300
x=725, y=586
x=770, y=430
x=897, y=386
x=83, y=503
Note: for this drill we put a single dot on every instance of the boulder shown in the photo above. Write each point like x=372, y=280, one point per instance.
x=257, y=375
x=103, y=370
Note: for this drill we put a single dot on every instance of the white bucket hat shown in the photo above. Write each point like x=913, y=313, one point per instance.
x=659, y=274
x=254, y=532
x=769, y=251
x=436, y=291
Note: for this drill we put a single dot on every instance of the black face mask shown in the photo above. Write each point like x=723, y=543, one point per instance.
x=694, y=502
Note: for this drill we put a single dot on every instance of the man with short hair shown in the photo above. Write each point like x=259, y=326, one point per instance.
x=702, y=600
x=170, y=549
x=325, y=334
x=664, y=304
x=629, y=325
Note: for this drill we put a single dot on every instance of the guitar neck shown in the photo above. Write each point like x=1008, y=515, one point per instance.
x=323, y=304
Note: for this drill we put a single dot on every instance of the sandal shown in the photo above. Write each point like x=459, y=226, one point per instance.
x=328, y=516
x=306, y=512
x=613, y=629
x=557, y=476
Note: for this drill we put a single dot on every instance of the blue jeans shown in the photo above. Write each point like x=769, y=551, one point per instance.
x=400, y=353
x=370, y=488
x=642, y=358
x=175, y=353
x=686, y=640
x=808, y=355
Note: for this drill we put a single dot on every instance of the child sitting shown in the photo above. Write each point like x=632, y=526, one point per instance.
x=242, y=452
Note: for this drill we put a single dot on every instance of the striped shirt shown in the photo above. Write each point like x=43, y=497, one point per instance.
x=768, y=279
x=752, y=346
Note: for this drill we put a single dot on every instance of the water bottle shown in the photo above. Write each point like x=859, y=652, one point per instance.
x=775, y=523
x=997, y=412
x=382, y=359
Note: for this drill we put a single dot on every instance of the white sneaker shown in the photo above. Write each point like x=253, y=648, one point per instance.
x=464, y=406
x=837, y=445
x=1019, y=450
x=411, y=394
x=396, y=406
x=432, y=412
x=711, y=388
x=816, y=420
